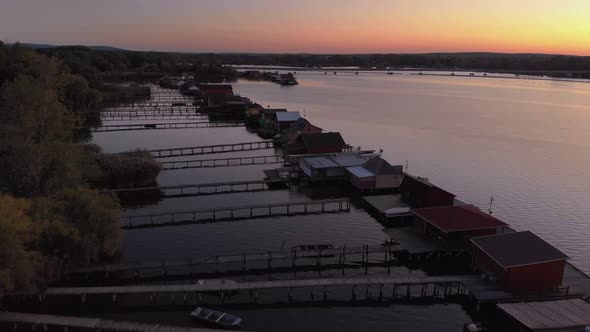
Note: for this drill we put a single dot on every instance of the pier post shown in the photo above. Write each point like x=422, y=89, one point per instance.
x=408, y=292
x=244, y=264
x=380, y=293
x=325, y=293
x=354, y=293
x=394, y=295
x=269, y=263
x=290, y=295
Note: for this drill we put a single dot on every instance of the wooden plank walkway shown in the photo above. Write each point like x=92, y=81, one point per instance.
x=256, y=285
x=235, y=213
x=161, y=117
x=221, y=162
x=201, y=189
x=167, y=125
x=358, y=256
x=210, y=149
x=143, y=113
x=150, y=108
x=14, y=320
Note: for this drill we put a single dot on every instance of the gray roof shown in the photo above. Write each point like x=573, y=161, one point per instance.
x=320, y=162
x=360, y=172
x=287, y=116
x=543, y=315
x=348, y=160
x=518, y=249
x=380, y=166
x=335, y=160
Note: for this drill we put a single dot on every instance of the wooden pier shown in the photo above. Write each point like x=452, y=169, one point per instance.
x=235, y=213
x=131, y=116
x=203, y=189
x=153, y=108
x=385, y=288
x=266, y=263
x=221, y=162
x=168, y=125
x=210, y=149
x=18, y=321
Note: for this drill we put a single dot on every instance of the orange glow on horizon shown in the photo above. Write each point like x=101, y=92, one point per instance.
x=306, y=26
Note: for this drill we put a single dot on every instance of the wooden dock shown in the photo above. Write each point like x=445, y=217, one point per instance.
x=18, y=321
x=167, y=125
x=160, y=117
x=414, y=286
x=136, y=113
x=221, y=162
x=210, y=149
x=150, y=108
x=267, y=263
x=235, y=213
x=202, y=189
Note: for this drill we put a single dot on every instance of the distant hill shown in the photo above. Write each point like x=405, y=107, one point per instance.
x=98, y=47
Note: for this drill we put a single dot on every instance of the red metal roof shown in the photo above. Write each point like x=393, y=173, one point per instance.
x=216, y=88
x=517, y=249
x=458, y=218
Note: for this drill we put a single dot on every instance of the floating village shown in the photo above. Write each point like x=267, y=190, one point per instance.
x=438, y=247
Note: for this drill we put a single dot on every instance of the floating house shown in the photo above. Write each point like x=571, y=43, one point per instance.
x=456, y=223
x=375, y=174
x=520, y=261
x=287, y=79
x=284, y=120
x=331, y=165
x=215, y=95
x=299, y=127
x=552, y=315
x=419, y=193
x=319, y=143
x=266, y=117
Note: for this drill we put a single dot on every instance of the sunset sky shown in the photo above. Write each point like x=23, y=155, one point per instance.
x=318, y=26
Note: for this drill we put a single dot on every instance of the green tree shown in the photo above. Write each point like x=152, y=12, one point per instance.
x=18, y=262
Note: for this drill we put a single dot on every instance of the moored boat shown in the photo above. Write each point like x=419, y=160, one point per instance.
x=216, y=318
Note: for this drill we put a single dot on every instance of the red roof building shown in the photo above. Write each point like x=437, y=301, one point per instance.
x=316, y=144
x=456, y=222
x=417, y=192
x=521, y=261
x=225, y=89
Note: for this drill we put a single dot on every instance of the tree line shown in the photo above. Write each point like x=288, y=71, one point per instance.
x=93, y=63
x=52, y=214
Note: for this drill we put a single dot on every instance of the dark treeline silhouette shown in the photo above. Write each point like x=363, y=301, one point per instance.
x=93, y=63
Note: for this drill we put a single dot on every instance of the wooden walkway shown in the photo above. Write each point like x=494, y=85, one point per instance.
x=143, y=113
x=17, y=321
x=253, y=286
x=210, y=149
x=202, y=189
x=235, y=213
x=151, y=108
x=245, y=263
x=168, y=125
x=221, y=162
x=161, y=117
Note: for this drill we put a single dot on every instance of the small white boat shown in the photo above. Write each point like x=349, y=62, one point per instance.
x=217, y=282
x=216, y=318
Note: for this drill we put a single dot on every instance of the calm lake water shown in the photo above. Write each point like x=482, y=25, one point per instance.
x=526, y=142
